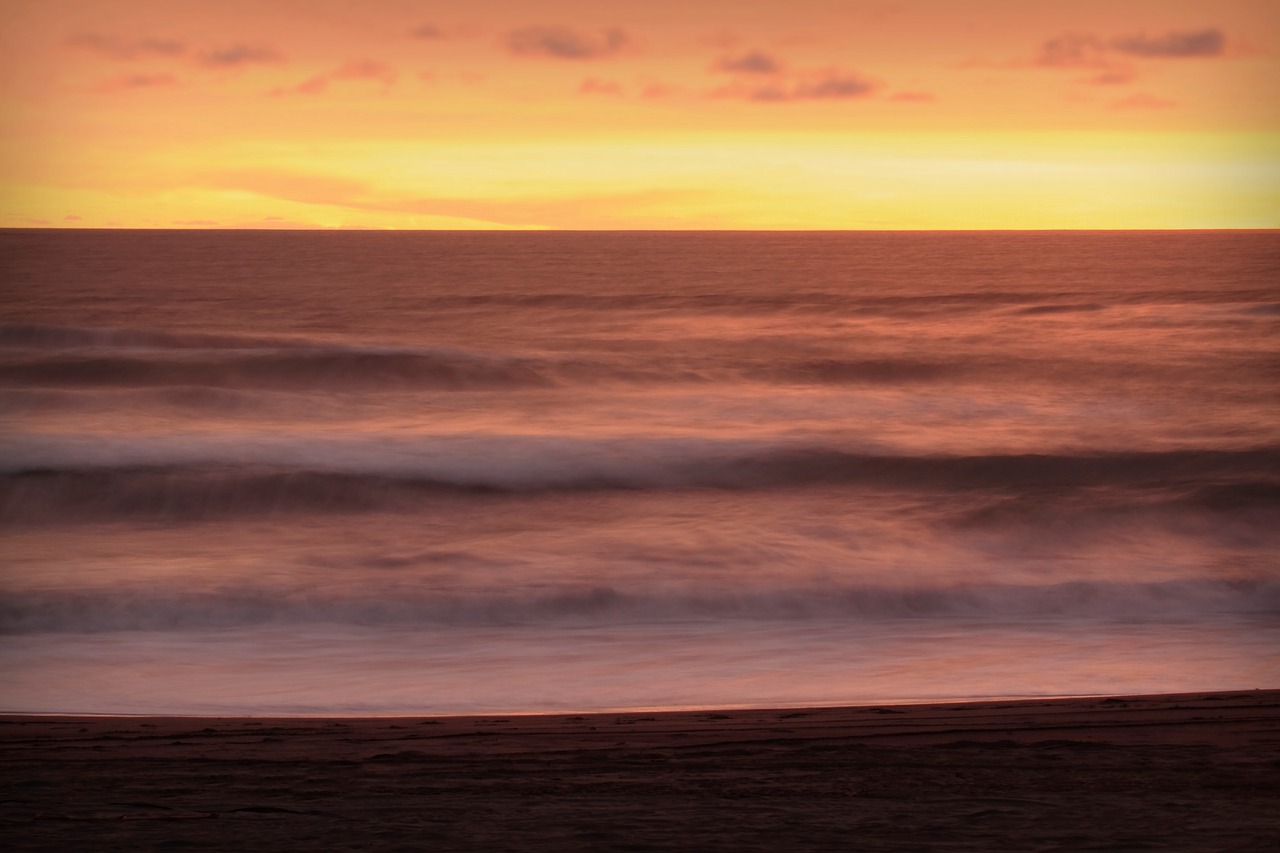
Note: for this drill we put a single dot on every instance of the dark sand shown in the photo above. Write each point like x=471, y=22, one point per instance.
x=1194, y=772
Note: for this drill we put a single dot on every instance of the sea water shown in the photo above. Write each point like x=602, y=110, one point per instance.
x=402, y=473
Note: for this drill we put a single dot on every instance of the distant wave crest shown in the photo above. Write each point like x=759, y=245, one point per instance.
x=219, y=475
x=34, y=357
x=164, y=609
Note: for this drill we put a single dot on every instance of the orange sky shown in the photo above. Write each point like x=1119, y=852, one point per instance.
x=640, y=114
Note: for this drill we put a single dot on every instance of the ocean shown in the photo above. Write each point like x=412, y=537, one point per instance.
x=509, y=472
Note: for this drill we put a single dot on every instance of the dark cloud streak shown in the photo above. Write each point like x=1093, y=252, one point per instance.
x=114, y=47
x=828, y=85
x=1111, y=59
x=1072, y=50
x=1173, y=45
x=238, y=55
x=565, y=43
x=427, y=31
x=752, y=62
x=138, y=81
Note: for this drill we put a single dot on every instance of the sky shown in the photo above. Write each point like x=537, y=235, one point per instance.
x=640, y=114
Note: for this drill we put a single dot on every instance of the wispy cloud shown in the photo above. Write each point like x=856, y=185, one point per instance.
x=1072, y=50
x=118, y=48
x=427, y=31
x=596, y=86
x=573, y=211
x=137, y=81
x=1087, y=50
x=287, y=185
x=560, y=42
x=828, y=84
x=1174, y=45
x=237, y=55
x=355, y=69
x=1115, y=74
x=1112, y=59
x=751, y=62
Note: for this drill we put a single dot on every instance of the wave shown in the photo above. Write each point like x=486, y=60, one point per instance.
x=79, y=358
x=209, y=477
x=198, y=398
x=175, y=610
x=42, y=336
x=288, y=368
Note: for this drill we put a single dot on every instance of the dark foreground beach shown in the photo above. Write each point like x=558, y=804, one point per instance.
x=1191, y=772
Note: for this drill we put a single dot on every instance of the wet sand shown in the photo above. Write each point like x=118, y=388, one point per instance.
x=1193, y=772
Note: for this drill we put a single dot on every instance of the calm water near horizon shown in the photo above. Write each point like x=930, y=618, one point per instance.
x=438, y=472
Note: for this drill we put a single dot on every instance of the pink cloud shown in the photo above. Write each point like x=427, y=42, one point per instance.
x=355, y=69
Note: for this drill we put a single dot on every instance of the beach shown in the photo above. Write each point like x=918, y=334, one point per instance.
x=1192, y=772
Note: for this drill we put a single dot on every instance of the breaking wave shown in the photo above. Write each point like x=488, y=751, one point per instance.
x=56, y=357
x=177, y=610
x=212, y=476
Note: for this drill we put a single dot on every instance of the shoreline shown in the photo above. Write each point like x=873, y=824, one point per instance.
x=1187, y=771
x=949, y=703
x=7, y=716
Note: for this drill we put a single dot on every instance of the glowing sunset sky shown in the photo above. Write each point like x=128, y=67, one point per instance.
x=641, y=113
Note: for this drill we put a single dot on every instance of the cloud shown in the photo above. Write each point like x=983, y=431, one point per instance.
x=834, y=86
x=577, y=211
x=71, y=217
x=366, y=69
x=290, y=186
x=596, y=86
x=1072, y=50
x=1113, y=75
x=829, y=84
x=355, y=69
x=565, y=43
x=205, y=222
x=1109, y=58
x=1141, y=101
x=237, y=55
x=1173, y=45
x=114, y=47
x=751, y=62
x=428, y=31
x=137, y=81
